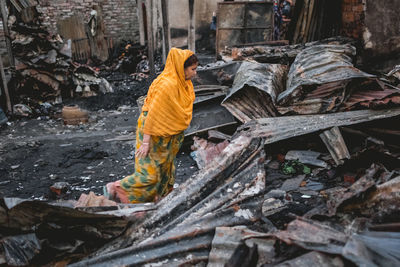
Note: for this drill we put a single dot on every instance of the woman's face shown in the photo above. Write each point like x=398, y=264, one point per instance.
x=191, y=71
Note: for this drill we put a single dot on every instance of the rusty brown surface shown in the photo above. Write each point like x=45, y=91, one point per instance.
x=254, y=91
x=373, y=99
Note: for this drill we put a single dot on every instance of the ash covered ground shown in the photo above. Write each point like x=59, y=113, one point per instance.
x=38, y=152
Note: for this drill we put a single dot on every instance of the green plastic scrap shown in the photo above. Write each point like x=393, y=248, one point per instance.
x=295, y=167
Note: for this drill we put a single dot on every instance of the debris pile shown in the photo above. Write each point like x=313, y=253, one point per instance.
x=322, y=79
x=311, y=176
x=271, y=204
x=132, y=59
x=284, y=189
x=44, y=69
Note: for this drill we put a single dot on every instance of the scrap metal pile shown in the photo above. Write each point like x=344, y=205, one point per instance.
x=45, y=71
x=311, y=178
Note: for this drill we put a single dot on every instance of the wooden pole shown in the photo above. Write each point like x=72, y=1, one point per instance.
x=166, y=29
x=6, y=31
x=191, y=29
x=142, y=35
x=3, y=77
x=150, y=38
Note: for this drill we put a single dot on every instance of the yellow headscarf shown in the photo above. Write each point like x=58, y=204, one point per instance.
x=170, y=98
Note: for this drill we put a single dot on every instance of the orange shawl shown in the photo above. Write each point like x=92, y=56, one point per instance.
x=170, y=98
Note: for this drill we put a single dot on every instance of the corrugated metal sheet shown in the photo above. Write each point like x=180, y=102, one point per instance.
x=227, y=239
x=254, y=90
x=182, y=228
x=21, y=4
x=218, y=73
x=373, y=99
x=318, y=65
x=325, y=98
x=313, y=258
x=32, y=228
x=207, y=92
x=277, y=54
x=243, y=22
x=281, y=128
x=208, y=114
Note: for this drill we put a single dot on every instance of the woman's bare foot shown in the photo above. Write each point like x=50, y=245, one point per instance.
x=109, y=191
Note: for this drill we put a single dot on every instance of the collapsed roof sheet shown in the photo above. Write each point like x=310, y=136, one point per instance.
x=254, y=91
x=319, y=65
x=373, y=98
x=226, y=193
x=280, y=128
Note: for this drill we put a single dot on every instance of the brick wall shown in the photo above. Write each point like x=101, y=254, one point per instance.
x=120, y=16
x=353, y=17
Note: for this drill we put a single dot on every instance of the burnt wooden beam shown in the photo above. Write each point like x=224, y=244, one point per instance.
x=166, y=29
x=5, y=87
x=191, y=30
x=6, y=32
x=141, y=16
x=150, y=36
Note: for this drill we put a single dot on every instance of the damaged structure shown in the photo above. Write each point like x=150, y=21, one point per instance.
x=296, y=146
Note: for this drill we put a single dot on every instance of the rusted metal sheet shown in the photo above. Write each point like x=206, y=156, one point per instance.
x=364, y=249
x=318, y=65
x=373, y=99
x=276, y=54
x=226, y=193
x=32, y=228
x=243, y=22
x=254, y=90
x=208, y=114
x=19, y=250
x=227, y=239
x=280, y=128
x=313, y=235
x=187, y=244
x=21, y=4
x=313, y=258
x=207, y=92
x=334, y=141
x=378, y=202
x=222, y=74
x=373, y=249
x=341, y=197
x=324, y=98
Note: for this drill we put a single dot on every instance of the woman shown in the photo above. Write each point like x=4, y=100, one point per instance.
x=166, y=113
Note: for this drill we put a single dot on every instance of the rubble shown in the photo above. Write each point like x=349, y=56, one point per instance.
x=281, y=54
x=296, y=146
x=335, y=144
x=44, y=68
x=31, y=228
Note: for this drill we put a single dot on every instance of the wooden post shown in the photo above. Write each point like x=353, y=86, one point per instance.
x=150, y=38
x=3, y=77
x=166, y=30
x=191, y=29
x=142, y=35
x=6, y=31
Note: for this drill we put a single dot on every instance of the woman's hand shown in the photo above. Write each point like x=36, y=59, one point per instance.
x=144, y=147
x=143, y=150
